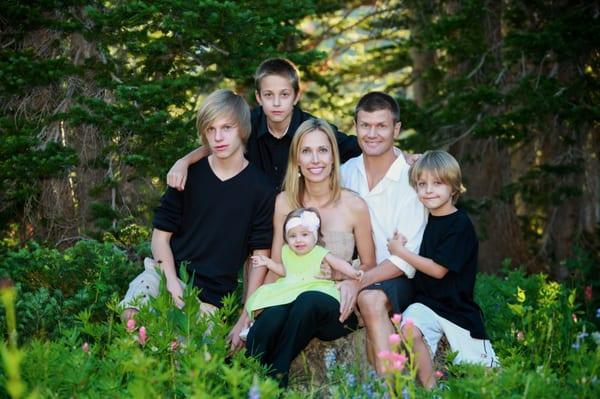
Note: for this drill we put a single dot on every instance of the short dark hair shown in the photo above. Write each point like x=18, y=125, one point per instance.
x=376, y=101
x=280, y=67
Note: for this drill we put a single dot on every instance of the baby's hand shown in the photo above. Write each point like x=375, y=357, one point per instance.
x=396, y=244
x=259, y=261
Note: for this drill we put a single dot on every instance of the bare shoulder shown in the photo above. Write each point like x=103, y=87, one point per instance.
x=282, y=205
x=353, y=201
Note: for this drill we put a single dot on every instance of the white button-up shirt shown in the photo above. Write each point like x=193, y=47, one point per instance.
x=393, y=205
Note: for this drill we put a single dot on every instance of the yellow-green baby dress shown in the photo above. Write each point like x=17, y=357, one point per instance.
x=300, y=272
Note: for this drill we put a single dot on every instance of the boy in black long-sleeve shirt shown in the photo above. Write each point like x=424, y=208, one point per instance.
x=224, y=214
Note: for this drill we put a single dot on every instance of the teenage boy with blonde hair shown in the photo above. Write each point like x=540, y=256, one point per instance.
x=224, y=214
x=446, y=268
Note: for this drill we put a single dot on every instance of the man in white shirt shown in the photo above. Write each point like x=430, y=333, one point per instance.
x=380, y=177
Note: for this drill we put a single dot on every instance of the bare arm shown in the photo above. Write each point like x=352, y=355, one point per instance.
x=342, y=266
x=255, y=279
x=282, y=208
x=422, y=264
x=263, y=261
x=177, y=175
x=163, y=255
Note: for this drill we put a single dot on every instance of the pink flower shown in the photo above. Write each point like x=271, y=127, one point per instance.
x=520, y=336
x=587, y=293
x=438, y=374
x=143, y=337
x=409, y=323
x=384, y=354
x=394, y=339
x=396, y=318
x=174, y=345
x=398, y=365
x=85, y=347
x=574, y=316
x=130, y=325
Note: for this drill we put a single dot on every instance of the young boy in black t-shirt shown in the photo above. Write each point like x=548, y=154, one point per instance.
x=446, y=269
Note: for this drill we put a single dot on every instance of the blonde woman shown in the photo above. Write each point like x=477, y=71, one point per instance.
x=313, y=180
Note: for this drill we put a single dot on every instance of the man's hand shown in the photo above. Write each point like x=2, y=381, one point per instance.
x=177, y=175
x=411, y=158
x=396, y=244
x=348, y=295
x=234, y=335
x=176, y=292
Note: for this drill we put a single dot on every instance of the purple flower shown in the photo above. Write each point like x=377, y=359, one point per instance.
x=254, y=392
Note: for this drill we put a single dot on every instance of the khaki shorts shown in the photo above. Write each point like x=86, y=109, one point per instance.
x=432, y=326
x=146, y=285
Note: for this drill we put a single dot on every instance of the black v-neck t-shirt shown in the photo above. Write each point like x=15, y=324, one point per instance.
x=216, y=224
x=451, y=241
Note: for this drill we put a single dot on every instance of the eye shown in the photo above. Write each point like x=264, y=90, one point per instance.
x=421, y=184
x=210, y=129
x=285, y=94
x=363, y=125
x=323, y=150
x=268, y=94
x=305, y=151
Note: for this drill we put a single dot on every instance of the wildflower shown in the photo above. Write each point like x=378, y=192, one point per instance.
x=394, y=339
x=396, y=318
x=329, y=358
x=350, y=379
x=85, y=347
x=174, y=345
x=587, y=293
x=409, y=323
x=143, y=337
x=596, y=336
x=405, y=393
x=130, y=327
x=254, y=392
x=384, y=354
x=520, y=336
x=574, y=317
x=439, y=374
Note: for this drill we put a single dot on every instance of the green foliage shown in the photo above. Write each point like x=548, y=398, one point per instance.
x=54, y=286
x=73, y=343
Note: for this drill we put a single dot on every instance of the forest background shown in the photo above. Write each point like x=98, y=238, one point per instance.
x=98, y=98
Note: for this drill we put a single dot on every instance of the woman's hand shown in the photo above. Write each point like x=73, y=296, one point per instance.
x=348, y=295
x=235, y=342
x=177, y=175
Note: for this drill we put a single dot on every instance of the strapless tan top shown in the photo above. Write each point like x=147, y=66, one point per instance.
x=340, y=243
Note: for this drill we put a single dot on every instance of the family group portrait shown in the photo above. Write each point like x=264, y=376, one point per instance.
x=300, y=199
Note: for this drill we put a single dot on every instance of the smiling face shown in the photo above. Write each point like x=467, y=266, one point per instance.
x=435, y=194
x=277, y=97
x=315, y=156
x=301, y=239
x=223, y=137
x=376, y=131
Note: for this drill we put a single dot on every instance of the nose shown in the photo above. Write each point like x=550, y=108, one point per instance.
x=315, y=157
x=276, y=101
x=371, y=131
x=218, y=135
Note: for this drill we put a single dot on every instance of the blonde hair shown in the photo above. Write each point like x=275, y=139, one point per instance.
x=298, y=213
x=293, y=183
x=224, y=103
x=441, y=164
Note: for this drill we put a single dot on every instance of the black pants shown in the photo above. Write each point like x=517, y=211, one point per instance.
x=281, y=332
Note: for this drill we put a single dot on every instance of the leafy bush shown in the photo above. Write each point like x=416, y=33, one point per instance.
x=55, y=286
